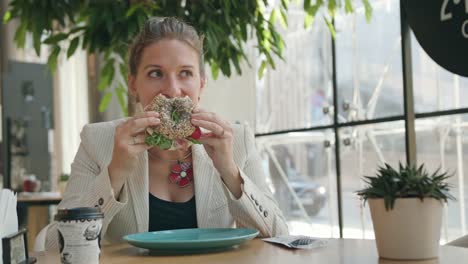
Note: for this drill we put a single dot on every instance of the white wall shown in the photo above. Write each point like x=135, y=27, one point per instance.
x=233, y=98
x=71, y=106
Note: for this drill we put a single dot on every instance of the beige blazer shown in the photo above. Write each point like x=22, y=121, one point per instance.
x=89, y=186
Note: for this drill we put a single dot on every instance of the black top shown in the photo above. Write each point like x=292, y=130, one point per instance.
x=164, y=215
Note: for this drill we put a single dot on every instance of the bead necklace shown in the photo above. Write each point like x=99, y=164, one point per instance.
x=181, y=171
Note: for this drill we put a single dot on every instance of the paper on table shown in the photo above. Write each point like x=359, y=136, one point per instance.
x=8, y=216
x=298, y=242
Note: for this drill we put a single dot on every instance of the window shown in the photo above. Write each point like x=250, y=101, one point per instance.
x=313, y=176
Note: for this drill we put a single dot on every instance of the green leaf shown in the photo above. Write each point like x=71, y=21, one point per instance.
x=408, y=182
x=227, y=9
x=37, y=42
x=106, y=99
x=175, y=116
x=132, y=10
x=283, y=19
x=158, y=140
x=273, y=15
x=243, y=32
x=165, y=145
x=265, y=42
x=226, y=68
x=104, y=82
x=123, y=69
x=309, y=19
x=108, y=27
x=73, y=45
x=57, y=12
x=278, y=44
x=107, y=75
x=55, y=38
x=235, y=61
x=20, y=35
x=311, y=12
x=6, y=17
x=212, y=42
x=330, y=27
x=349, y=6
x=121, y=98
x=214, y=70
x=368, y=10
x=52, y=60
x=76, y=29
x=69, y=8
x=261, y=69
x=332, y=8
x=270, y=61
x=141, y=19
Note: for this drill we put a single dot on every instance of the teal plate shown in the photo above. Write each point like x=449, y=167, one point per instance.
x=189, y=241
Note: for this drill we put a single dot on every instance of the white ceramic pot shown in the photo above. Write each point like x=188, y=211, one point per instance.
x=410, y=231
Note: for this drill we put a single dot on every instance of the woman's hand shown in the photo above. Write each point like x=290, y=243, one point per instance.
x=219, y=145
x=129, y=142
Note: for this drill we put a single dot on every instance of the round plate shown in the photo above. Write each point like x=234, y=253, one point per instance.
x=196, y=240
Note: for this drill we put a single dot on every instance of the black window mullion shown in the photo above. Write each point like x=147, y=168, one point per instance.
x=408, y=98
x=337, y=136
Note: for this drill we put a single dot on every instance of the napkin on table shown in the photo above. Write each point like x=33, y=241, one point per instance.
x=8, y=216
x=297, y=242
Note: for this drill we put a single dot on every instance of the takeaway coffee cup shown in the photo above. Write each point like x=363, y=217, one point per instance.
x=79, y=231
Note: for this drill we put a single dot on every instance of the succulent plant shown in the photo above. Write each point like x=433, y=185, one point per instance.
x=408, y=181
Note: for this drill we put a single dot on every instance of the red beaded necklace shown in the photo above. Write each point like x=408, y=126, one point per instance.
x=181, y=171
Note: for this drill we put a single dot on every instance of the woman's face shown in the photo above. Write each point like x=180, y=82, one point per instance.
x=169, y=67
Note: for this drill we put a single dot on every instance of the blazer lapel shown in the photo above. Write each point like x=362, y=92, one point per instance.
x=138, y=188
x=203, y=179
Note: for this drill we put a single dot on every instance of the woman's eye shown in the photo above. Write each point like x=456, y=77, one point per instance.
x=155, y=74
x=186, y=73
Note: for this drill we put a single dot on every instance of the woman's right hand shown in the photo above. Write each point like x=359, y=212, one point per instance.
x=129, y=142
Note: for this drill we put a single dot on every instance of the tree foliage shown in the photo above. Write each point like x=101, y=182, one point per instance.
x=107, y=27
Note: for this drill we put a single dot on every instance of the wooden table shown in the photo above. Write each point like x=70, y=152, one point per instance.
x=33, y=211
x=341, y=251
x=39, y=198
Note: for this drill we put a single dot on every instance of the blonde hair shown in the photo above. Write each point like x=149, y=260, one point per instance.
x=159, y=28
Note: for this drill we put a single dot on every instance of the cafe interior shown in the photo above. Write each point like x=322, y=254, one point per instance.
x=356, y=107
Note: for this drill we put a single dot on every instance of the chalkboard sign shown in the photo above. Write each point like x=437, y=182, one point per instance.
x=441, y=28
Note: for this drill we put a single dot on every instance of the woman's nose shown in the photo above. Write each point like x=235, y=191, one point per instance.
x=173, y=88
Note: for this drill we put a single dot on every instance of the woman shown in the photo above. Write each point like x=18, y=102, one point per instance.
x=115, y=170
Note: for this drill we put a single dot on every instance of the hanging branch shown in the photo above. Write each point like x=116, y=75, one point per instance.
x=107, y=27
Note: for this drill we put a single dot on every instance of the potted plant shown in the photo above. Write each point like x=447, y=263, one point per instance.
x=62, y=184
x=406, y=208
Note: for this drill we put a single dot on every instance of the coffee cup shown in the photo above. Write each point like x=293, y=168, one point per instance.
x=79, y=231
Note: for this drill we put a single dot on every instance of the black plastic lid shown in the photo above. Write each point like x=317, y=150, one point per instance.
x=78, y=213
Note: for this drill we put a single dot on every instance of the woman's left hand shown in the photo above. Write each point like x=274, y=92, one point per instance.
x=218, y=143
